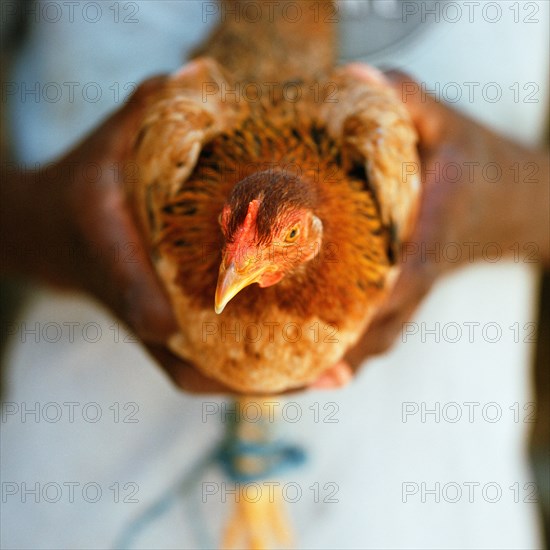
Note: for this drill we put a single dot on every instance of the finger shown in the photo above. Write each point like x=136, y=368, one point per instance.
x=136, y=293
x=145, y=93
x=115, y=136
x=184, y=375
x=113, y=264
x=387, y=325
x=367, y=73
x=428, y=116
x=335, y=377
x=381, y=336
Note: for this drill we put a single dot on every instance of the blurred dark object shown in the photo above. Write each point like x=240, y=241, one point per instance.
x=540, y=437
x=12, y=296
x=14, y=22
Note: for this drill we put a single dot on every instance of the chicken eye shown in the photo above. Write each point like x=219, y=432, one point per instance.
x=292, y=235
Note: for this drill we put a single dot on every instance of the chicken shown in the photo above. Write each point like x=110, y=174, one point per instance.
x=274, y=191
x=241, y=184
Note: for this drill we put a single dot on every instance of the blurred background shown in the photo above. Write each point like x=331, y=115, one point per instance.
x=436, y=444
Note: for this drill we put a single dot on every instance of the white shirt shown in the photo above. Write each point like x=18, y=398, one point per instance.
x=386, y=451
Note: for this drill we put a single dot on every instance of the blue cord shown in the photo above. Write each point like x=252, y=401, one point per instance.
x=269, y=458
x=164, y=503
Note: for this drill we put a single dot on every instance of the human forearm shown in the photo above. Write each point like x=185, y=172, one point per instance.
x=31, y=224
x=508, y=196
x=521, y=205
x=485, y=197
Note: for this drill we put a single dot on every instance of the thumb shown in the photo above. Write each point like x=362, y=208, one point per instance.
x=427, y=114
x=138, y=295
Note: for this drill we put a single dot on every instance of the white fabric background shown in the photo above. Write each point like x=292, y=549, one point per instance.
x=370, y=452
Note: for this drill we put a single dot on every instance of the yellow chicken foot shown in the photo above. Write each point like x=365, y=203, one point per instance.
x=250, y=456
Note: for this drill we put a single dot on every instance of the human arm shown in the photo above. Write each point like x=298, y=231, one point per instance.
x=485, y=198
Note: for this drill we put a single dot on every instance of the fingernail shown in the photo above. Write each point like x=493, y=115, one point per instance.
x=186, y=69
x=368, y=73
x=324, y=382
x=343, y=373
x=336, y=377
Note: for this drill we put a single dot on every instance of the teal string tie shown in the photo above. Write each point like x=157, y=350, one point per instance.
x=257, y=455
x=269, y=457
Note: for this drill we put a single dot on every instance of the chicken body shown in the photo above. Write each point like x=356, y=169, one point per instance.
x=343, y=142
x=293, y=330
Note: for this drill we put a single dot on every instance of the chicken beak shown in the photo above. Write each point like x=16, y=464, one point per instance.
x=231, y=282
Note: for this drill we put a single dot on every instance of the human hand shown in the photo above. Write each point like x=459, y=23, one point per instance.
x=466, y=212
x=109, y=261
x=68, y=224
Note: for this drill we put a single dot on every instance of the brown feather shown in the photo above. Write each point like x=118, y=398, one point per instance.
x=342, y=159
